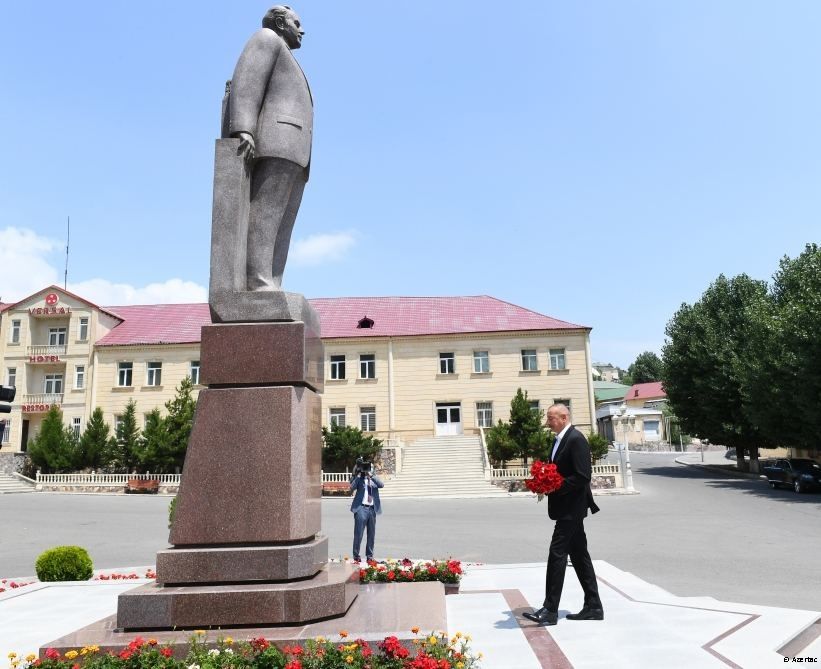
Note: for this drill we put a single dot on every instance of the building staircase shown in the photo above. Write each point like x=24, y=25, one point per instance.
x=442, y=467
x=9, y=483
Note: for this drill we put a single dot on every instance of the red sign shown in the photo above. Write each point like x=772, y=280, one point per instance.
x=44, y=358
x=49, y=311
x=52, y=299
x=36, y=408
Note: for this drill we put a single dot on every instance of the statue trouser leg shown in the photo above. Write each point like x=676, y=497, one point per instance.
x=276, y=193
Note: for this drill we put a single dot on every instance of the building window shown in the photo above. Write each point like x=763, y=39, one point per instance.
x=529, y=361
x=11, y=376
x=194, y=372
x=337, y=367
x=153, y=375
x=337, y=416
x=534, y=405
x=367, y=366
x=15, y=332
x=56, y=336
x=557, y=360
x=481, y=362
x=118, y=420
x=79, y=377
x=447, y=363
x=83, y=328
x=367, y=419
x=53, y=384
x=484, y=414
x=77, y=426
x=124, y=373
x=6, y=432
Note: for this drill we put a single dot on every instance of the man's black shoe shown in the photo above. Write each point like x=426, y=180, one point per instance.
x=542, y=616
x=587, y=614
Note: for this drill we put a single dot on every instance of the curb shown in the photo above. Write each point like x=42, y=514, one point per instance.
x=727, y=472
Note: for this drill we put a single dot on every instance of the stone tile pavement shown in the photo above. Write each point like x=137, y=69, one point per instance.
x=644, y=625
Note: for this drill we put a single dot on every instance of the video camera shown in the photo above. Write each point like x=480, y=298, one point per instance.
x=362, y=467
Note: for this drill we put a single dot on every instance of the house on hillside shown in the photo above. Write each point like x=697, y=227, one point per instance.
x=636, y=416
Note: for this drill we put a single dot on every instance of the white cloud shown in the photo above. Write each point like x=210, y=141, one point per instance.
x=172, y=291
x=318, y=249
x=26, y=266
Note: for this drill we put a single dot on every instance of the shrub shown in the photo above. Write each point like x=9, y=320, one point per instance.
x=598, y=446
x=64, y=563
x=172, y=509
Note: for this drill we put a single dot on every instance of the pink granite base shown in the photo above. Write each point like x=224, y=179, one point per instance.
x=232, y=564
x=380, y=610
x=153, y=606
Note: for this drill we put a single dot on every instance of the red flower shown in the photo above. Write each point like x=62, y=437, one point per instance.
x=294, y=664
x=432, y=569
x=260, y=644
x=52, y=654
x=391, y=575
x=393, y=648
x=545, y=478
x=166, y=652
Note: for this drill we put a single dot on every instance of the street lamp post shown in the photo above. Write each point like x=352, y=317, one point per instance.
x=625, y=450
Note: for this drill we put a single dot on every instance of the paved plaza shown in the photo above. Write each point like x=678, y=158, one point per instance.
x=691, y=570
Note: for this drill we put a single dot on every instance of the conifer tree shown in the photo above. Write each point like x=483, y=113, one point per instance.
x=95, y=441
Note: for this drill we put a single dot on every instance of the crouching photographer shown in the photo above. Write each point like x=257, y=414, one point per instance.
x=365, y=506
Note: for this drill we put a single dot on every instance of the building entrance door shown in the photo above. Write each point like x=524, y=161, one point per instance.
x=24, y=439
x=448, y=419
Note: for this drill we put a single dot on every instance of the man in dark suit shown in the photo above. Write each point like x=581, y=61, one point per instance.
x=568, y=507
x=270, y=110
x=365, y=507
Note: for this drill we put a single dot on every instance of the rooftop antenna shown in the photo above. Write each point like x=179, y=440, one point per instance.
x=68, y=237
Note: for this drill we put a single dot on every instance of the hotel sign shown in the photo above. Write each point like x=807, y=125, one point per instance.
x=44, y=358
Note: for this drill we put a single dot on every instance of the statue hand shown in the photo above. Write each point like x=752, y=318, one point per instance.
x=247, y=148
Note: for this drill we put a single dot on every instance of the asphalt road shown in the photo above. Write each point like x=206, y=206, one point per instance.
x=689, y=531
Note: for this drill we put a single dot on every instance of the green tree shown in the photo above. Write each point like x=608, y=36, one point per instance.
x=783, y=357
x=598, y=446
x=500, y=446
x=526, y=428
x=178, y=423
x=343, y=445
x=54, y=449
x=126, y=452
x=646, y=368
x=155, y=454
x=704, y=364
x=95, y=441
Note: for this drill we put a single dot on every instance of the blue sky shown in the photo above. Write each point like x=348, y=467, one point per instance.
x=601, y=162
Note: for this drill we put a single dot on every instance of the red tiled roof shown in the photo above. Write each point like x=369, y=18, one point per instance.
x=408, y=316
x=391, y=316
x=157, y=324
x=645, y=391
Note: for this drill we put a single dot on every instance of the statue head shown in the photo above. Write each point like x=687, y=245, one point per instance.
x=284, y=22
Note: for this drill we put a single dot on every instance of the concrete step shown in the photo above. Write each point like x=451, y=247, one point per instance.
x=12, y=484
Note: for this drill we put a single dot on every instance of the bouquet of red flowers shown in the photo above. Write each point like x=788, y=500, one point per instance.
x=545, y=479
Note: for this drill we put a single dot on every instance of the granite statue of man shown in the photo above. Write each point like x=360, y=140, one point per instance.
x=270, y=110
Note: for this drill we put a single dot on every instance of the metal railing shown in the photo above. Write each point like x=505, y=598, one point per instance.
x=336, y=477
x=46, y=350
x=93, y=478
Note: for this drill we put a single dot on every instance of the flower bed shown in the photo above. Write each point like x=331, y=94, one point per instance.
x=433, y=651
x=447, y=571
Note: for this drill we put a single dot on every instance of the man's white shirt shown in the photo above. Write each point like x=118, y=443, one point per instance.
x=556, y=443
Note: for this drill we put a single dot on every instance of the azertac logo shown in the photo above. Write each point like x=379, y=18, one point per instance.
x=51, y=308
x=52, y=299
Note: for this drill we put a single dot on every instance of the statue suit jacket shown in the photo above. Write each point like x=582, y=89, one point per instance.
x=574, y=498
x=270, y=99
x=358, y=484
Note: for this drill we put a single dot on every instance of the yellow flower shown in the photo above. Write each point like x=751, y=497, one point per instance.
x=199, y=632
x=349, y=659
x=458, y=635
x=12, y=655
x=70, y=655
x=228, y=641
x=31, y=657
x=320, y=639
x=460, y=665
x=432, y=640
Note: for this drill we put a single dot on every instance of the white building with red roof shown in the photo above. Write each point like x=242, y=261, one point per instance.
x=399, y=367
